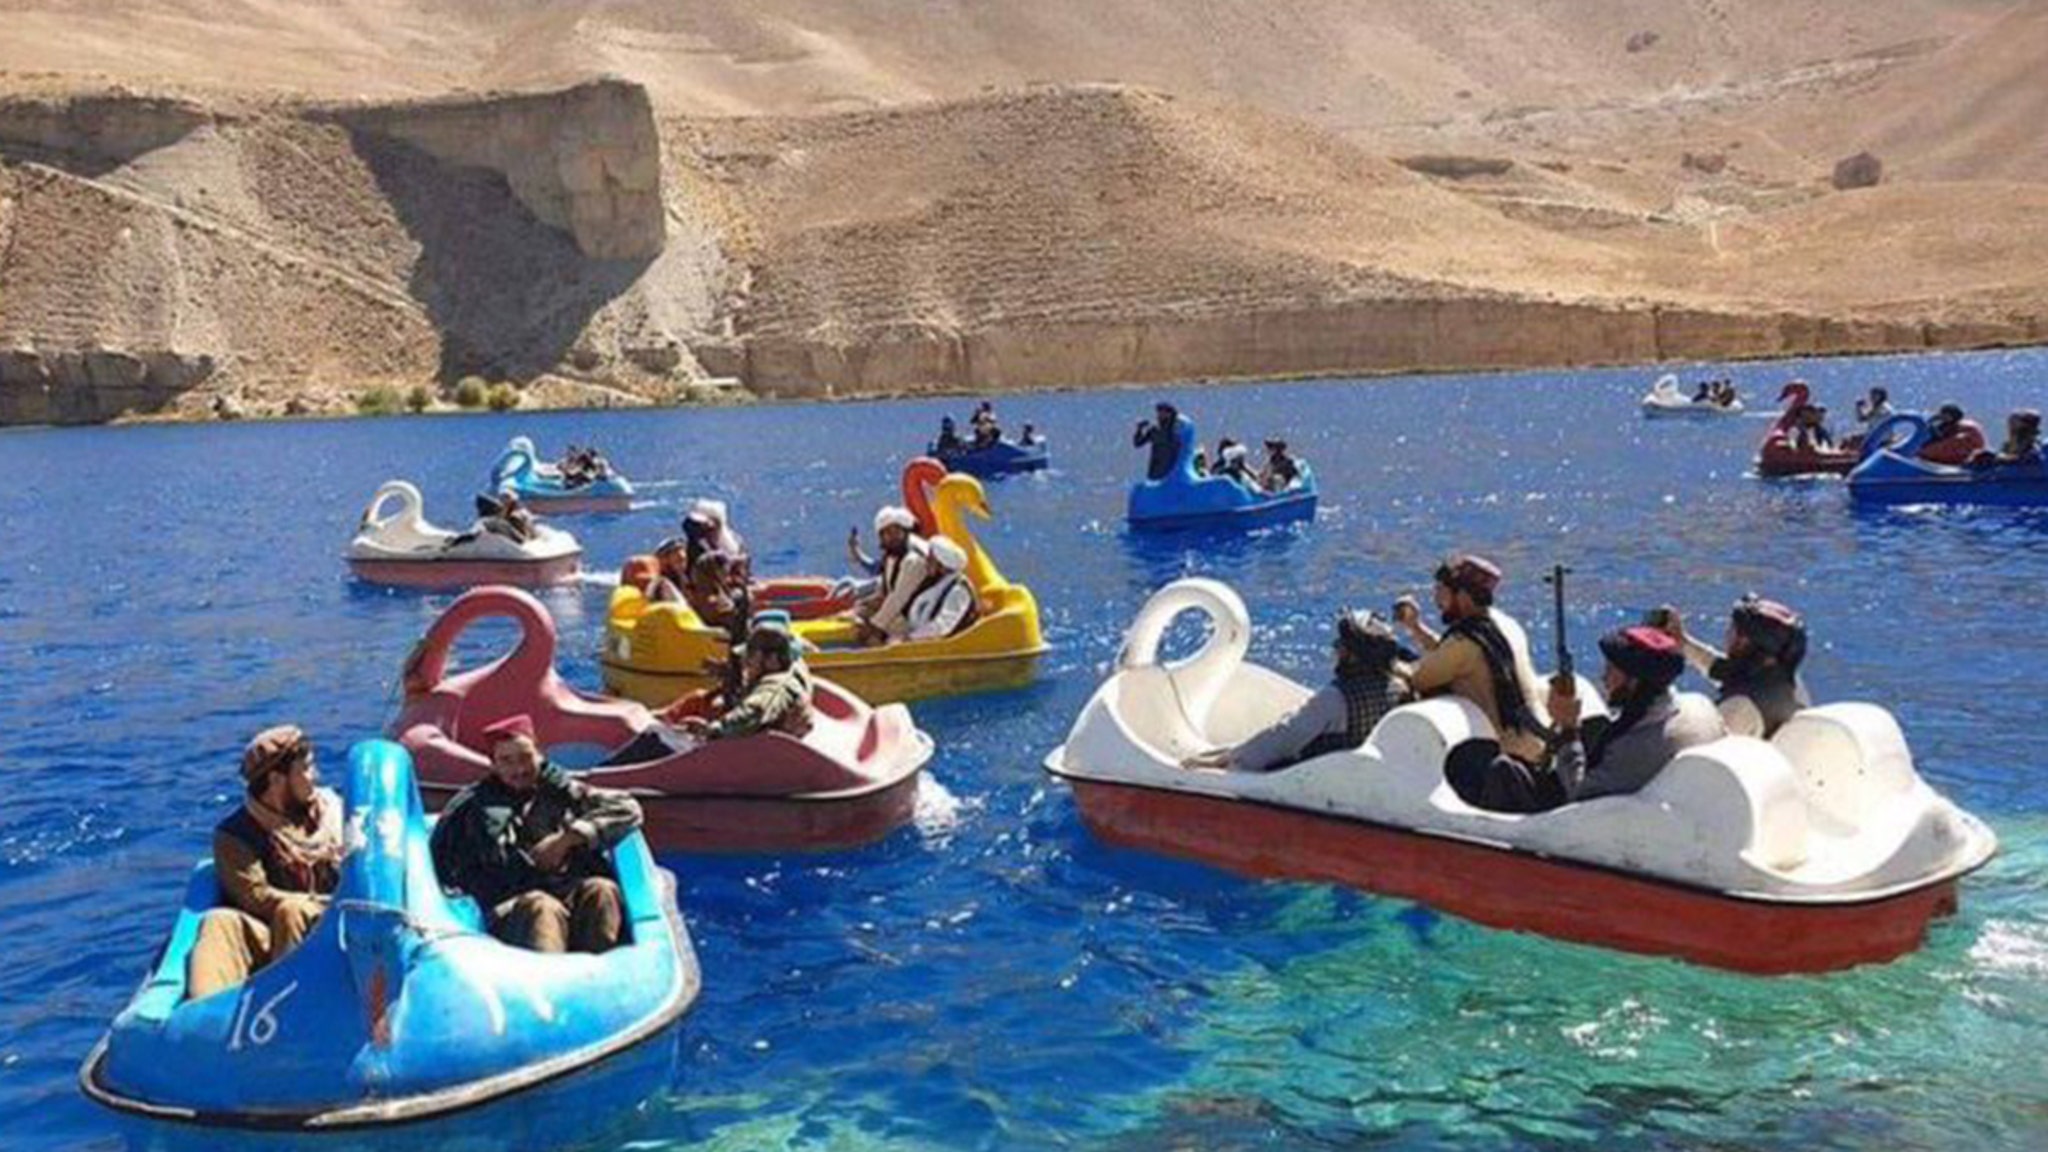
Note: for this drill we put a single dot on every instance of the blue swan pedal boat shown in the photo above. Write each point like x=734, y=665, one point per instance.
x=399, y=1006
x=543, y=486
x=1184, y=498
x=1891, y=472
x=998, y=459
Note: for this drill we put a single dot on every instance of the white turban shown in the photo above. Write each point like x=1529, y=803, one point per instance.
x=950, y=556
x=895, y=516
x=710, y=509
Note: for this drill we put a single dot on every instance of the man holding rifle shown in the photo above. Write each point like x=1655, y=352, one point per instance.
x=1609, y=754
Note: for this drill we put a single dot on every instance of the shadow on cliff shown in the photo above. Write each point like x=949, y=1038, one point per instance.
x=509, y=294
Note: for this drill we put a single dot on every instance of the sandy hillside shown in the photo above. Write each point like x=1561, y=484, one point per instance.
x=273, y=201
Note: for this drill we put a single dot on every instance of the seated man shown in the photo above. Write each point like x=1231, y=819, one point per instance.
x=1281, y=470
x=501, y=515
x=904, y=564
x=715, y=590
x=1369, y=682
x=1608, y=756
x=1709, y=391
x=1482, y=655
x=277, y=858
x=1029, y=437
x=2022, y=439
x=1874, y=409
x=528, y=843
x=707, y=528
x=1811, y=433
x=986, y=430
x=1758, y=676
x=671, y=573
x=949, y=440
x=947, y=603
x=1946, y=423
x=775, y=689
x=1232, y=461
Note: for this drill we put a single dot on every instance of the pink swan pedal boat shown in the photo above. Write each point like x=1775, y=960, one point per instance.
x=1820, y=849
x=851, y=780
x=394, y=544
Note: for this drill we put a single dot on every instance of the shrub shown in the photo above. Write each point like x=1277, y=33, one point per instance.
x=470, y=392
x=503, y=397
x=383, y=400
x=418, y=399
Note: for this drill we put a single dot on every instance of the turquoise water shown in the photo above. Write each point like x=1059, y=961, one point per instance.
x=992, y=977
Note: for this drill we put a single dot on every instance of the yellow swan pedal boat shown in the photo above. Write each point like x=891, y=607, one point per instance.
x=654, y=653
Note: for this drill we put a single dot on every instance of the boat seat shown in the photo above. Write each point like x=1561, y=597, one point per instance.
x=1851, y=764
x=1738, y=797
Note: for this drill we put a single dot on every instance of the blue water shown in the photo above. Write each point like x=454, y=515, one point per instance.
x=992, y=977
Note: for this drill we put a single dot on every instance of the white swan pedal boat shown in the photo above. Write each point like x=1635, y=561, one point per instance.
x=396, y=545
x=1666, y=399
x=1818, y=850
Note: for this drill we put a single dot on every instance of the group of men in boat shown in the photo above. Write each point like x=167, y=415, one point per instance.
x=920, y=589
x=985, y=431
x=528, y=842
x=918, y=586
x=582, y=466
x=1718, y=392
x=1162, y=434
x=1550, y=748
x=2022, y=444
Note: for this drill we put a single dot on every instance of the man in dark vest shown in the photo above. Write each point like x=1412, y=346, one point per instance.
x=1163, y=436
x=276, y=857
x=1758, y=677
x=1367, y=684
x=1609, y=755
x=529, y=843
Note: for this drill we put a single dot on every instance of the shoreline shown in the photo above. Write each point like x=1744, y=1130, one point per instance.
x=748, y=399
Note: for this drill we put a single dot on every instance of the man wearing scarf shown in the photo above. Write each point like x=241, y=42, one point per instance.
x=1482, y=655
x=277, y=857
x=1368, y=682
x=905, y=561
x=1606, y=756
x=1758, y=676
x=529, y=843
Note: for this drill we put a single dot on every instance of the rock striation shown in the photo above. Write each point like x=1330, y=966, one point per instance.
x=586, y=160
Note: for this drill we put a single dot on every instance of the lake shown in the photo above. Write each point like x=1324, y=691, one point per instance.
x=992, y=977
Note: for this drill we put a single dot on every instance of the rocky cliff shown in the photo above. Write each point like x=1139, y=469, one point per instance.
x=262, y=256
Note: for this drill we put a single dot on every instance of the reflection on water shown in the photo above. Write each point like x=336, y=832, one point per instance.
x=992, y=976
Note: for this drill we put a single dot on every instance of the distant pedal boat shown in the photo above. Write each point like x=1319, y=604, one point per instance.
x=399, y=547
x=543, y=487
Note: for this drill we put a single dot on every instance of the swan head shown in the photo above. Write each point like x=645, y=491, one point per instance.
x=1797, y=391
x=964, y=492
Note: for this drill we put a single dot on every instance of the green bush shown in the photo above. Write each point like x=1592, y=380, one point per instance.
x=383, y=400
x=503, y=397
x=419, y=398
x=470, y=392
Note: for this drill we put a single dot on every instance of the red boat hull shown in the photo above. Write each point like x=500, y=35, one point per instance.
x=1777, y=458
x=1504, y=888
x=760, y=824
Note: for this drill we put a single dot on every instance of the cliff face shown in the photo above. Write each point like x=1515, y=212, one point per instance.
x=166, y=254
x=190, y=253
x=586, y=160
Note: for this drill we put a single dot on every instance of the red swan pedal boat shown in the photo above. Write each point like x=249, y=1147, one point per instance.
x=1780, y=456
x=814, y=597
x=849, y=781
